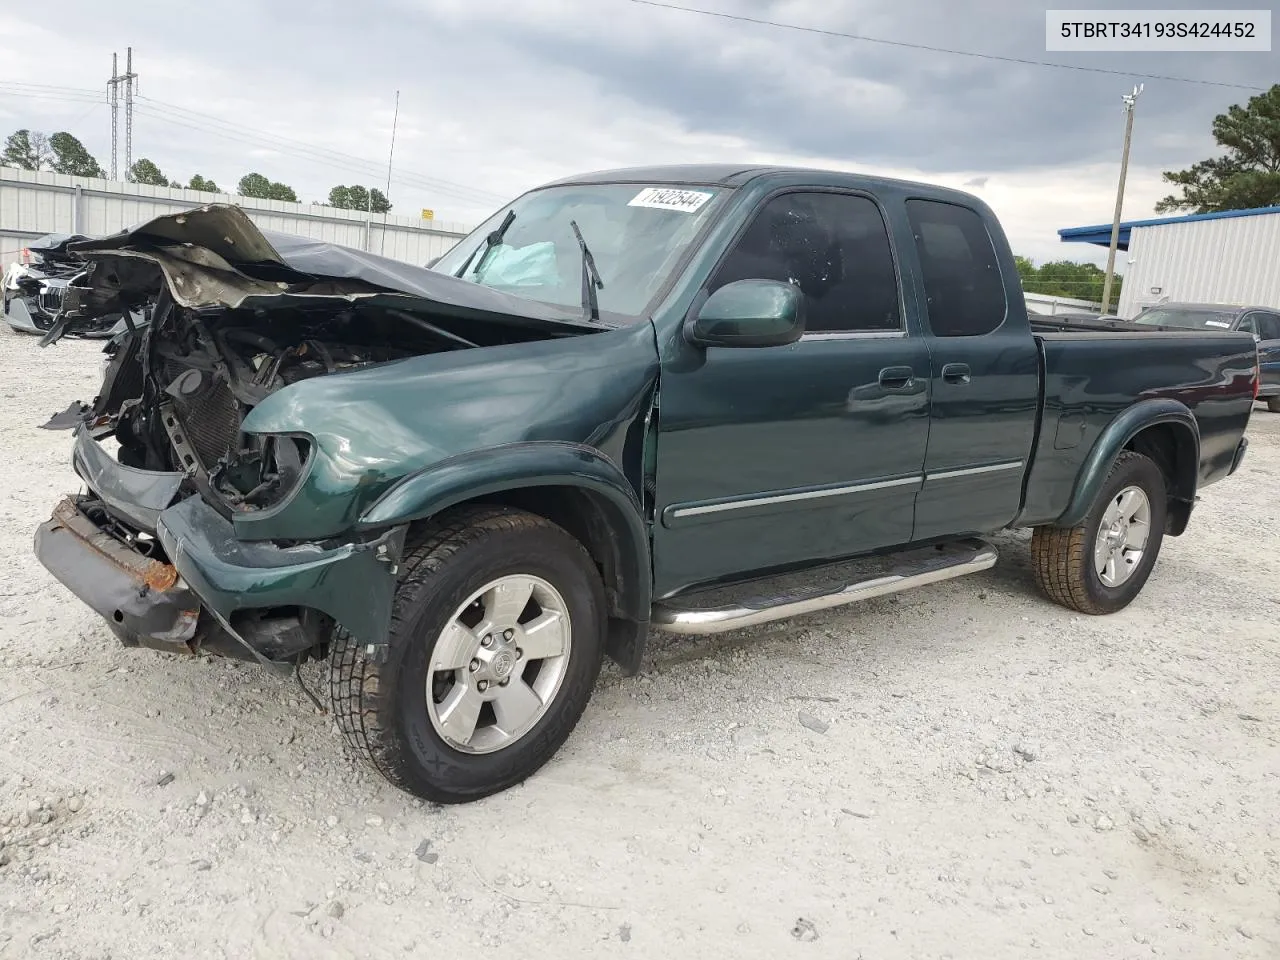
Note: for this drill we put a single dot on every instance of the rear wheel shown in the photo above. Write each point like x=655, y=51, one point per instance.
x=495, y=644
x=1100, y=565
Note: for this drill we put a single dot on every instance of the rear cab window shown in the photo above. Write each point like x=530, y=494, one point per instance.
x=964, y=290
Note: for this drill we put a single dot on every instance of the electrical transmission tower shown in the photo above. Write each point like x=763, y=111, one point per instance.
x=113, y=86
x=128, y=78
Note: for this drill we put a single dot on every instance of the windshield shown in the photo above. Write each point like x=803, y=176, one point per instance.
x=636, y=235
x=1190, y=318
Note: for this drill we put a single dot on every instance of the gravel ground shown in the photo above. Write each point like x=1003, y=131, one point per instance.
x=962, y=771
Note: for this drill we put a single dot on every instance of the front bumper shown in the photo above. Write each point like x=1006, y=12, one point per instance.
x=157, y=601
x=141, y=598
x=18, y=314
x=351, y=582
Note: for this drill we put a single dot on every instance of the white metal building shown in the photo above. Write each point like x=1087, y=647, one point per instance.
x=33, y=204
x=1043, y=305
x=1229, y=257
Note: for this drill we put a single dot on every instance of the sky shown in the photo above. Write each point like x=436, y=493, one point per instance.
x=499, y=96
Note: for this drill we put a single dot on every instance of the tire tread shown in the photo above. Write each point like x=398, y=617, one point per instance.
x=359, y=689
x=1059, y=555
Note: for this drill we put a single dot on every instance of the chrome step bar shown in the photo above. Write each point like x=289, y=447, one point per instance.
x=720, y=609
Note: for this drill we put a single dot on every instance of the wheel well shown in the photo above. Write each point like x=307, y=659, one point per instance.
x=1173, y=449
x=586, y=516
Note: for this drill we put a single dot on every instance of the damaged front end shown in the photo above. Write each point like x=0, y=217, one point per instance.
x=151, y=544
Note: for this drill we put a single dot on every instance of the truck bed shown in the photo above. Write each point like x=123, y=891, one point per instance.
x=1093, y=370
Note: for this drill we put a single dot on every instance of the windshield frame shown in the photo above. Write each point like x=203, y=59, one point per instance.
x=722, y=194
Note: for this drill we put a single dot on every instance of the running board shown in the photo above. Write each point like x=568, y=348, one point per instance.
x=719, y=609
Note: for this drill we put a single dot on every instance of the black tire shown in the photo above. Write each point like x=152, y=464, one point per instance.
x=1062, y=557
x=380, y=703
x=1273, y=404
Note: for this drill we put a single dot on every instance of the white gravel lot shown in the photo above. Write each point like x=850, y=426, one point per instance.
x=999, y=778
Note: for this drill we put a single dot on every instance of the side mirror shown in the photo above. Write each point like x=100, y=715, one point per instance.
x=749, y=313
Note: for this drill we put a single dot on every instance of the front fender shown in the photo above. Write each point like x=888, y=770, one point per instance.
x=1114, y=437
x=526, y=466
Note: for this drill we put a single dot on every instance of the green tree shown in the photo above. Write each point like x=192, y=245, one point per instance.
x=27, y=150
x=71, y=157
x=256, y=185
x=1063, y=278
x=145, y=171
x=1248, y=175
x=200, y=183
x=358, y=198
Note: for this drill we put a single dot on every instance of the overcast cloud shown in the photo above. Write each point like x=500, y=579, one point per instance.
x=499, y=96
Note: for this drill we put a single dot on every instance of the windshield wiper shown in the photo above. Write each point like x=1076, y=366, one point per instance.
x=591, y=281
x=491, y=241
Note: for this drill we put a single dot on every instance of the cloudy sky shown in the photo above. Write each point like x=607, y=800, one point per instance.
x=501, y=95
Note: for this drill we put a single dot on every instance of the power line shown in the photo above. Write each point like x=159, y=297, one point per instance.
x=313, y=154
x=85, y=96
x=78, y=91
x=931, y=49
x=346, y=161
x=194, y=120
x=146, y=107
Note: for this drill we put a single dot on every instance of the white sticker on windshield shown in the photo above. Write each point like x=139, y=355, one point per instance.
x=1218, y=323
x=665, y=198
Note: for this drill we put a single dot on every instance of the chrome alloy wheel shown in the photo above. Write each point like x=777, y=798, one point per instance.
x=1122, y=536
x=498, y=664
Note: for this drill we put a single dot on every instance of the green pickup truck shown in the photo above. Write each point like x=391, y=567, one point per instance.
x=689, y=398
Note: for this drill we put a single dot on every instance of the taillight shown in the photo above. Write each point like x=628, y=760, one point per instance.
x=26, y=256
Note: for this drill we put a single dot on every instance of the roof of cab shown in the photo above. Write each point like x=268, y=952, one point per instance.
x=736, y=175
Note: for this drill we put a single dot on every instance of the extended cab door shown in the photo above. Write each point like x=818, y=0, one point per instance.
x=983, y=369
x=772, y=456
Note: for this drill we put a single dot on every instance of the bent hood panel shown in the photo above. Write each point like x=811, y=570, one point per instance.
x=217, y=256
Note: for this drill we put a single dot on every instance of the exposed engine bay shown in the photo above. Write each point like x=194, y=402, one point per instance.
x=231, y=316
x=177, y=392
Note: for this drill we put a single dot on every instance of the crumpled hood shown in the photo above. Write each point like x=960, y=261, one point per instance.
x=216, y=256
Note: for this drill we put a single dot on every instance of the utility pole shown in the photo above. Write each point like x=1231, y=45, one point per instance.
x=117, y=78
x=113, y=86
x=1129, y=100
x=129, y=78
x=395, y=119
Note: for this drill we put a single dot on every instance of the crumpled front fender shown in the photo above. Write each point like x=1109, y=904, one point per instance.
x=528, y=466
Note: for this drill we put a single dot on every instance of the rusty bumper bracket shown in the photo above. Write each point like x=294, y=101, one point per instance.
x=142, y=599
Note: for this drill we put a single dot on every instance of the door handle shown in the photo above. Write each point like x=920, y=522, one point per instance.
x=955, y=373
x=897, y=378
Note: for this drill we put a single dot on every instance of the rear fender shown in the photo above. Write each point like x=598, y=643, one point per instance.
x=1120, y=434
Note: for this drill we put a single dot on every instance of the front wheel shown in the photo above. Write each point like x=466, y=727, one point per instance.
x=1100, y=565
x=495, y=644
x=1273, y=404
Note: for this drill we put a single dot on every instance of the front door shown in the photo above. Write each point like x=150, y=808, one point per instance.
x=984, y=371
x=768, y=457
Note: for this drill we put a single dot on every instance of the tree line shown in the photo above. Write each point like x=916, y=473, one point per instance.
x=1062, y=278
x=62, y=152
